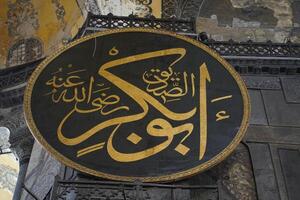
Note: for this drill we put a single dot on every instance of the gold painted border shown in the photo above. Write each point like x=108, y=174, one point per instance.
x=171, y=177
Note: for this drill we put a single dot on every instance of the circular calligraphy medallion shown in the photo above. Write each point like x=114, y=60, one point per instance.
x=134, y=104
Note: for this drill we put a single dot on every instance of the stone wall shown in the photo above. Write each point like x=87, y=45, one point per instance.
x=259, y=20
x=241, y=20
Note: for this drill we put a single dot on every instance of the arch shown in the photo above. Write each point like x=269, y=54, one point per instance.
x=24, y=51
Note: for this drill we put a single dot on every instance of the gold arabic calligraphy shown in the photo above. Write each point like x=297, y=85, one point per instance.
x=168, y=84
x=158, y=82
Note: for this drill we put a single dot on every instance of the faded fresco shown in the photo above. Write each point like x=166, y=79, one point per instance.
x=31, y=29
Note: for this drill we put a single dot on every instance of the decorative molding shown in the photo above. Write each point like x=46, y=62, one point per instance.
x=12, y=97
x=255, y=49
x=20, y=138
x=95, y=23
x=13, y=76
x=168, y=8
x=14, y=120
x=144, y=7
x=23, y=145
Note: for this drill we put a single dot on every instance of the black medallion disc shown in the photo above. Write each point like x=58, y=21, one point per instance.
x=134, y=104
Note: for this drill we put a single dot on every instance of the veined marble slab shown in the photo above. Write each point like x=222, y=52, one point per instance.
x=41, y=173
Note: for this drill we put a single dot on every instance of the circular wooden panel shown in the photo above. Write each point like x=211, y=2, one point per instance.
x=134, y=104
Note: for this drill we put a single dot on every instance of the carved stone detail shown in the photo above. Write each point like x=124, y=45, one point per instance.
x=13, y=97
x=168, y=8
x=143, y=8
x=23, y=145
x=20, y=137
x=92, y=7
x=14, y=120
x=236, y=175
